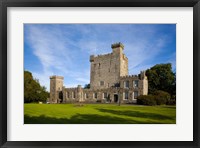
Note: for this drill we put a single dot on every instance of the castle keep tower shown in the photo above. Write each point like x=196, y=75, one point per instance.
x=107, y=69
x=56, y=84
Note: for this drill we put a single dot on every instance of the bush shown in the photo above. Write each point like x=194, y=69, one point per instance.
x=161, y=97
x=171, y=102
x=146, y=100
x=158, y=98
x=173, y=97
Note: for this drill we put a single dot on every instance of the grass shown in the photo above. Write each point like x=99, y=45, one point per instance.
x=98, y=114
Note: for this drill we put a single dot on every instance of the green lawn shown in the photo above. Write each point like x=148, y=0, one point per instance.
x=98, y=114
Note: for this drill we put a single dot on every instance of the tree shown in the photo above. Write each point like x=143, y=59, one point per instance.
x=161, y=77
x=87, y=86
x=33, y=92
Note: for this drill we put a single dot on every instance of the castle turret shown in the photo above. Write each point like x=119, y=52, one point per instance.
x=144, y=80
x=56, y=84
x=143, y=75
x=92, y=58
x=117, y=47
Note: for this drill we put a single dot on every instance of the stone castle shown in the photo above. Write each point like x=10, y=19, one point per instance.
x=109, y=82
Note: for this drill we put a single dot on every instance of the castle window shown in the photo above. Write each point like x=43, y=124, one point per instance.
x=126, y=96
x=126, y=84
x=135, y=94
x=73, y=95
x=135, y=83
x=86, y=95
x=95, y=95
x=66, y=95
x=105, y=95
x=101, y=83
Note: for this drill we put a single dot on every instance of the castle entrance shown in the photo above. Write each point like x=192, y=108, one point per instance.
x=115, y=98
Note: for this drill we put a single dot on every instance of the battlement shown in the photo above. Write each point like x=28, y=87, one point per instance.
x=116, y=45
x=56, y=77
x=93, y=57
x=129, y=76
x=71, y=88
x=103, y=55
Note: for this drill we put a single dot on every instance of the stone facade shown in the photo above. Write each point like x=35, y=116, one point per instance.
x=109, y=82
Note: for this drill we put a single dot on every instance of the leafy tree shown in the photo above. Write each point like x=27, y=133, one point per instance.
x=33, y=92
x=87, y=86
x=161, y=77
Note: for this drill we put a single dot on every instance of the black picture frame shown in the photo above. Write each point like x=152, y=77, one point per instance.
x=4, y=4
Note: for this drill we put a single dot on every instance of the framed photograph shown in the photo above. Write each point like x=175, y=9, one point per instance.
x=103, y=73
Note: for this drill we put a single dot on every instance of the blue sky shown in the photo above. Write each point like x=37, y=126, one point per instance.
x=64, y=49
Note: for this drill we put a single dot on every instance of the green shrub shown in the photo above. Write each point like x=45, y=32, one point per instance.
x=146, y=100
x=171, y=102
x=173, y=97
x=161, y=97
x=158, y=98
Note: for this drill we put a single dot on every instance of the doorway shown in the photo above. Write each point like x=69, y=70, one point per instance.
x=115, y=98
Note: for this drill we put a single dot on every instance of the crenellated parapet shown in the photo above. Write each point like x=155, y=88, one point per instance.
x=129, y=76
x=99, y=57
x=92, y=58
x=116, y=45
x=56, y=77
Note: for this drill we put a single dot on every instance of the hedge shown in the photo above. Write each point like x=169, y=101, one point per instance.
x=161, y=97
x=158, y=98
x=146, y=100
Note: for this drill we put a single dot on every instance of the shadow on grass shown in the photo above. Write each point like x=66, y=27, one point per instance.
x=170, y=107
x=141, y=118
x=78, y=119
x=147, y=116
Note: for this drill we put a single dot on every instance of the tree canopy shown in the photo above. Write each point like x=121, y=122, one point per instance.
x=161, y=77
x=33, y=91
x=87, y=86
